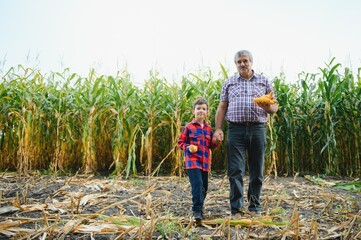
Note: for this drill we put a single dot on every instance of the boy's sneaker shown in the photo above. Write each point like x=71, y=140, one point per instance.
x=202, y=215
x=198, y=216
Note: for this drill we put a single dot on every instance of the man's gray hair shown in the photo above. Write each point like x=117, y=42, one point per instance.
x=243, y=52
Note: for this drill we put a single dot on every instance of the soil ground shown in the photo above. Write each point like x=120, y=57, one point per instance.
x=95, y=207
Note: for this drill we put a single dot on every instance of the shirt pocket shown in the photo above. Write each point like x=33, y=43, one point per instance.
x=258, y=90
x=193, y=138
x=234, y=91
x=208, y=140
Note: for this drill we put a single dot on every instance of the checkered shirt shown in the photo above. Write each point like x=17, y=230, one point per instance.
x=239, y=94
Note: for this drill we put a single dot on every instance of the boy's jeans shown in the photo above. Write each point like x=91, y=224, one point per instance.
x=199, y=184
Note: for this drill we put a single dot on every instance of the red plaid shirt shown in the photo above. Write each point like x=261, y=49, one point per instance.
x=193, y=133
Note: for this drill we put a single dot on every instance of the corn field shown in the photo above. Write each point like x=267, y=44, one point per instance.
x=62, y=122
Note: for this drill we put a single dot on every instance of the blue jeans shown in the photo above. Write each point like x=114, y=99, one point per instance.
x=199, y=184
x=243, y=142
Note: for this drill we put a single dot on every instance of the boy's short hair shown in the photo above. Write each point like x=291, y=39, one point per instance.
x=200, y=101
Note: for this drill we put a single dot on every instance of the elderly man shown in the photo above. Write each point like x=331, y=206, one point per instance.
x=246, y=130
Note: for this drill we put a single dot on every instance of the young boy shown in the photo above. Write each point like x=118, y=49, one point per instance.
x=196, y=141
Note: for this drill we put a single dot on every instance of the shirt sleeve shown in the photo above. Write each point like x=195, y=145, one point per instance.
x=224, y=93
x=183, y=141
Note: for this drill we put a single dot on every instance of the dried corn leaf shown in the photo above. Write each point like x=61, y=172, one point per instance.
x=8, y=209
x=9, y=223
x=9, y=228
x=84, y=200
x=33, y=207
x=53, y=208
x=70, y=225
x=98, y=228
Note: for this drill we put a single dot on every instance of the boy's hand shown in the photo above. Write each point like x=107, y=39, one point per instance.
x=193, y=148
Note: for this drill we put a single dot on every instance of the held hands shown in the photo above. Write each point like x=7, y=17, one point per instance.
x=193, y=148
x=218, y=136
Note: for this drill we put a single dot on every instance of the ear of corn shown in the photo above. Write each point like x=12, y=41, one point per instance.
x=193, y=148
x=268, y=99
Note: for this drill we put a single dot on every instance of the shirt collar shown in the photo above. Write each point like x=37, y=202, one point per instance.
x=194, y=122
x=239, y=76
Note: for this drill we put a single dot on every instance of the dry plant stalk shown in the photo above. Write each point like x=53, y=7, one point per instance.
x=152, y=223
x=314, y=229
x=78, y=204
x=45, y=218
x=329, y=207
x=148, y=203
x=248, y=231
x=351, y=225
x=266, y=209
x=219, y=229
x=140, y=230
x=229, y=229
x=190, y=224
x=295, y=222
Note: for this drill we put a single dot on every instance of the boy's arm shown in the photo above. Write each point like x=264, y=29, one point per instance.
x=183, y=141
x=214, y=144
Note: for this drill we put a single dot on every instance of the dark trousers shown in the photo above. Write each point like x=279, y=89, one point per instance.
x=242, y=140
x=199, y=184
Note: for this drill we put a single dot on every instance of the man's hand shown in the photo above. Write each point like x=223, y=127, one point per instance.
x=267, y=102
x=270, y=108
x=218, y=136
x=265, y=106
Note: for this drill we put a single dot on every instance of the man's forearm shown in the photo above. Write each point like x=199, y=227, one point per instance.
x=220, y=115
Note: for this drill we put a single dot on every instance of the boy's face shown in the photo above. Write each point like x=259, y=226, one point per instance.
x=200, y=112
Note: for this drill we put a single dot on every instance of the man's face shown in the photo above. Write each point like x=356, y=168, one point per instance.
x=244, y=65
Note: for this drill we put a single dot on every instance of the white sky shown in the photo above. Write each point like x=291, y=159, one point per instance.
x=175, y=37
